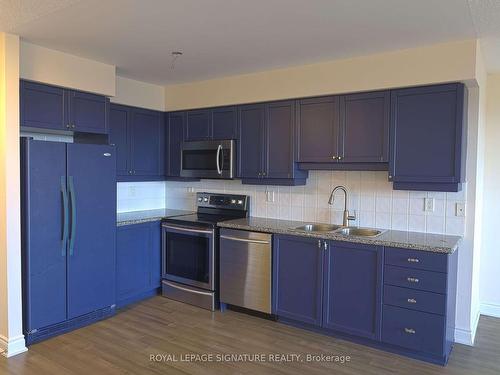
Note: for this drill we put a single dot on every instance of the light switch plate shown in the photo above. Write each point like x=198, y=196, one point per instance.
x=429, y=204
x=460, y=209
x=190, y=189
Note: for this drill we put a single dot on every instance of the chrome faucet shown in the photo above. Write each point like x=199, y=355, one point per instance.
x=347, y=217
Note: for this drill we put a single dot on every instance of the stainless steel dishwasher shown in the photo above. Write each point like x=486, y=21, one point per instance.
x=245, y=269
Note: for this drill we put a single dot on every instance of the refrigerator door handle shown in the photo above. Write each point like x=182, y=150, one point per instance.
x=73, y=215
x=64, y=239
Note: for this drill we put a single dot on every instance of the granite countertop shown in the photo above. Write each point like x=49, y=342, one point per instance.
x=137, y=217
x=438, y=243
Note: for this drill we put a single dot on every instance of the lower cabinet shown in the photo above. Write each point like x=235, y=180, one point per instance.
x=352, y=289
x=298, y=279
x=138, y=262
x=396, y=299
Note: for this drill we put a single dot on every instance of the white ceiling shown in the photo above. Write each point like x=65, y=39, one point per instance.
x=224, y=37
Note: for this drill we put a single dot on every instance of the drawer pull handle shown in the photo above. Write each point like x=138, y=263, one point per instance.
x=412, y=300
x=410, y=331
x=412, y=279
x=413, y=260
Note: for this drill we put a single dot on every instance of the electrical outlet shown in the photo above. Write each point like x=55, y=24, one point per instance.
x=429, y=204
x=190, y=189
x=270, y=195
x=460, y=209
x=131, y=191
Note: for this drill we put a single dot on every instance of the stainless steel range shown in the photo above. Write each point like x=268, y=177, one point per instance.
x=190, y=249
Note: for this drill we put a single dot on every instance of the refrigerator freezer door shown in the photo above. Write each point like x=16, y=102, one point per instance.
x=91, y=266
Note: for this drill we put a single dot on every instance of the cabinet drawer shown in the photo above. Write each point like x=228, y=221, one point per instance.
x=414, y=330
x=415, y=299
x=415, y=279
x=416, y=259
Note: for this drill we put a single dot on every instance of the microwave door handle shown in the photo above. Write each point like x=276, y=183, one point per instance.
x=219, y=169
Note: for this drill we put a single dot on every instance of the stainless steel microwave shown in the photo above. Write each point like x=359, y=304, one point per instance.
x=208, y=159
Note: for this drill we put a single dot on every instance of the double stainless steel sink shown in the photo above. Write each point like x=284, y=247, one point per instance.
x=339, y=229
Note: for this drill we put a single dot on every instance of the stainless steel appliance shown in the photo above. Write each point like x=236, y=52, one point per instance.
x=190, y=249
x=208, y=159
x=245, y=269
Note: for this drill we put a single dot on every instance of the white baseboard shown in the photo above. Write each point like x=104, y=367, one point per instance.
x=13, y=346
x=490, y=309
x=466, y=336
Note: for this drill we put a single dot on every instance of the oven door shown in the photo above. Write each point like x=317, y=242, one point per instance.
x=208, y=159
x=189, y=255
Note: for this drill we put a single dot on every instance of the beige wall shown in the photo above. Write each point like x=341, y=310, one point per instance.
x=437, y=63
x=139, y=94
x=49, y=66
x=490, y=257
x=11, y=337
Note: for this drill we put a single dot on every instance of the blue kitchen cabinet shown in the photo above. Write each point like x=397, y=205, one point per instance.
x=138, y=262
x=198, y=125
x=175, y=123
x=251, y=148
x=364, y=128
x=298, y=279
x=349, y=132
x=224, y=123
x=147, y=143
x=427, y=137
x=353, y=289
x=139, y=137
x=266, y=144
x=119, y=134
x=318, y=129
x=43, y=106
x=87, y=113
x=54, y=108
x=211, y=124
x=419, y=303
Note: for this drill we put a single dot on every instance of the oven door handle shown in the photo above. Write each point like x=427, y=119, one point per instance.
x=186, y=289
x=263, y=242
x=190, y=230
x=219, y=169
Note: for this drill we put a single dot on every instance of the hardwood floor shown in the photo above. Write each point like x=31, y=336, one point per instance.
x=124, y=343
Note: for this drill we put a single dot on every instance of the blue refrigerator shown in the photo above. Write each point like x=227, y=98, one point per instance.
x=68, y=235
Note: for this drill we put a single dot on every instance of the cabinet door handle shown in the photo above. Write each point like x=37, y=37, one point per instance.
x=413, y=260
x=340, y=157
x=412, y=279
x=410, y=331
x=73, y=215
x=64, y=239
x=412, y=300
x=325, y=245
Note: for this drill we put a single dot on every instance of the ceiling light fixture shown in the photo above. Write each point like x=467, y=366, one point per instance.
x=175, y=56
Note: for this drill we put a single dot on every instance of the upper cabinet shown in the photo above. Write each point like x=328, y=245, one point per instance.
x=427, y=141
x=139, y=137
x=318, y=129
x=54, y=108
x=364, y=128
x=266, y=144
x=174, y=129
x=211, y=124
x=343, y=132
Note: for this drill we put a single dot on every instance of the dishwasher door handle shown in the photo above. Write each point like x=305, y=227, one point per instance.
x=261, y=242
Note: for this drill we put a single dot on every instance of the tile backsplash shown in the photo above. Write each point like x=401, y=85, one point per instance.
x=370, y=195
x=137, y=196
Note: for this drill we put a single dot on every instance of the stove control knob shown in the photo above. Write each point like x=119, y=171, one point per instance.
x=233, y=201
x=240, y=202
x=205, y=199
x=200, y=199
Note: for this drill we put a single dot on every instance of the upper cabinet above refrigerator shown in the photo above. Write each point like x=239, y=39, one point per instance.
x=46, y=107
